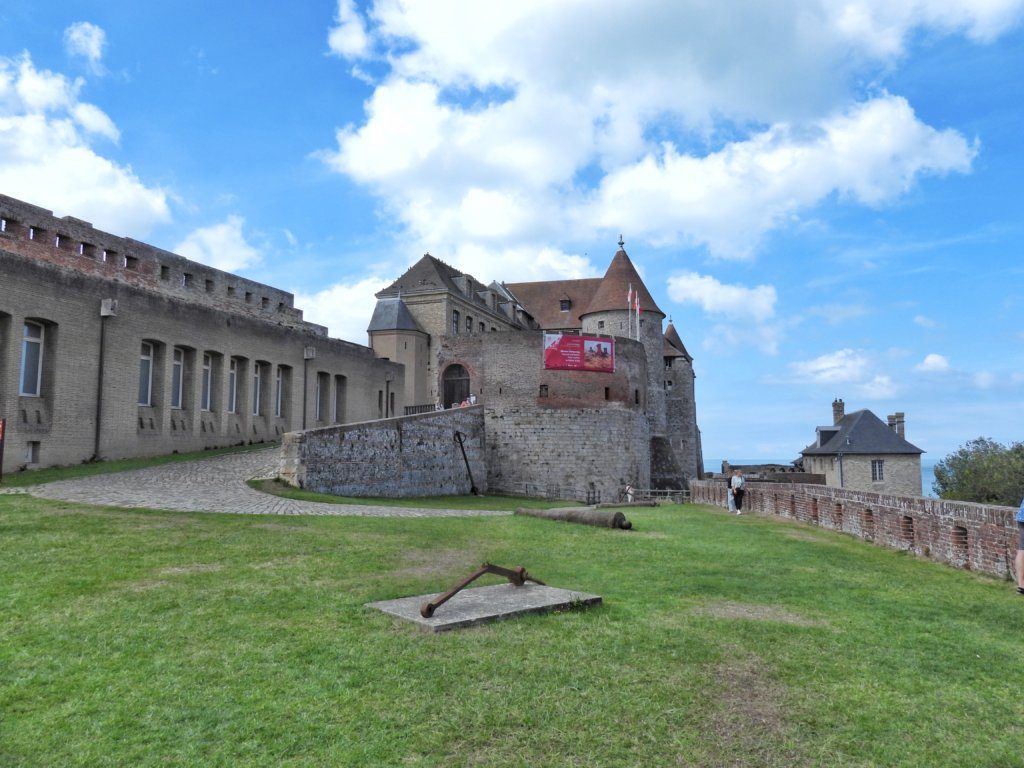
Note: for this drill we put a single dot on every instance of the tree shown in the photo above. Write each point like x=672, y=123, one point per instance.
x=983, y=471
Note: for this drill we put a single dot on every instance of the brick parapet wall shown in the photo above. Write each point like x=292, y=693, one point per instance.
x=73, y=244
x=976, y=537
x=400, y=457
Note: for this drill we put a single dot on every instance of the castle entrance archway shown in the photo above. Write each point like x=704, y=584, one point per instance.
x=456, y=385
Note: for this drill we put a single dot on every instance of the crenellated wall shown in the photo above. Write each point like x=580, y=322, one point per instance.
x=977, y=537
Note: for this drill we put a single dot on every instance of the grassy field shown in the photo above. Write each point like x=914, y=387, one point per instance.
x=151, y=638
x=508, y=503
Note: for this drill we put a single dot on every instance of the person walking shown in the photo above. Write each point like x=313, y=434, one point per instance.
x=736, y=490
x=1018, y=562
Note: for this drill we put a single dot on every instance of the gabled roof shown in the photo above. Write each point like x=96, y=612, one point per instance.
x=431, y=274
x=614, y=288
x=861, y=432
x=391, y=314
x=672, y=340
x=543, y=300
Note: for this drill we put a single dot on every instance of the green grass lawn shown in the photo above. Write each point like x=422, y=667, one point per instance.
x=509, y=503
x=87, y=469
x=133, y=638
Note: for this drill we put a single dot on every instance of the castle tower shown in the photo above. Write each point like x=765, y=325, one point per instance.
x=395, y=335
x=607, y=314
x=681, y=404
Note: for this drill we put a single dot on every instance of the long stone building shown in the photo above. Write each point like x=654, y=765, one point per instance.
x=112, y=348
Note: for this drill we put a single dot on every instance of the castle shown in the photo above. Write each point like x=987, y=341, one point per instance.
x=110, y=347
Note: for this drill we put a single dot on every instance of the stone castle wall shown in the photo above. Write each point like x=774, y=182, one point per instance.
x=401, y=457
x=62, y=291
x=977, y=537
x=556, y=433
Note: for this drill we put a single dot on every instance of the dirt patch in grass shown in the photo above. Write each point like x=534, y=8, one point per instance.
x=280, y=562
x=747, y=726
x=757, y=612
x=185, y=570
x=146, y=585
x=421, y=563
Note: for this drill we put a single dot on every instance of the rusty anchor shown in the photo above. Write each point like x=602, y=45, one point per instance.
x=517, y=576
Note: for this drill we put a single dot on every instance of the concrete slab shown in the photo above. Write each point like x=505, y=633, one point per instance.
x=484, y=604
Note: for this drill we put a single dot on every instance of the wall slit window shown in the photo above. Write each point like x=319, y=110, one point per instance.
x=146, y=374
x=257, y=391
x=177, y=376
x=279, y=393
x=207, y=400
x=31, y=359
x=232, y=385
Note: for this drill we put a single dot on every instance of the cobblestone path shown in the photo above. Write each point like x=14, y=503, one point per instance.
x=215, y=484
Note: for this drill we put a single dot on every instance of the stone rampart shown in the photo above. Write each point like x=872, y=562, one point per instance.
x=976, y=537
x=400, y=457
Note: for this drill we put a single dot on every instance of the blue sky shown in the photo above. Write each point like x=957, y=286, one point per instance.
x=825, y=197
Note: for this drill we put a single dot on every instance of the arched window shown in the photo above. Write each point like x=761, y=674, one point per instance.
x=456, y=385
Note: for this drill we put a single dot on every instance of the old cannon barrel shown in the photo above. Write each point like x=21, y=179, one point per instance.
x=604, y=518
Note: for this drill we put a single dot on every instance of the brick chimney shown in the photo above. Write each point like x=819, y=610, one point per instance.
x=899, y=417
x=838, y=410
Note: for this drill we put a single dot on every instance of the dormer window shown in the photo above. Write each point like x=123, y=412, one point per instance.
x=564, y=305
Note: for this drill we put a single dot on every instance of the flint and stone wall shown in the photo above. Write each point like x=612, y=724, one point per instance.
x=556, y=433
x=401, y=457
x=976, y=537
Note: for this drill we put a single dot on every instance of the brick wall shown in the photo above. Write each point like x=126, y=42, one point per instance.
x=973, y=536
x=401, y=457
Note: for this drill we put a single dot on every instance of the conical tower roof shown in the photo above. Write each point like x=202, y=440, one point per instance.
x=672, y=337
x=614, y=288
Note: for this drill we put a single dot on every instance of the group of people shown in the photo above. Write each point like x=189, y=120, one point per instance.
x=737, y=488
x=471, y=400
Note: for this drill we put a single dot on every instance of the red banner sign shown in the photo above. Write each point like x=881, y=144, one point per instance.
x=565, y=352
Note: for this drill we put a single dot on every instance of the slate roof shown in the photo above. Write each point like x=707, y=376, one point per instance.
x=861, y=432
x=430, y=274
x=614, y=288
x=391, y=314
x=672, y=340
x=543, y=300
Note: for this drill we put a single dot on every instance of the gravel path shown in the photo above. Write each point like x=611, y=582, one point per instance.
x=216, y=484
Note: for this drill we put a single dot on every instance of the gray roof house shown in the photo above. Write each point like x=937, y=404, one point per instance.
x=859, y=451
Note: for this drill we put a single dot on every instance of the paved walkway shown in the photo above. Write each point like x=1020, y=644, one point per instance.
x=215, y=484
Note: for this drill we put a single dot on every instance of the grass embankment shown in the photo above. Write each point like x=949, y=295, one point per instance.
x=509, y=503
x=145, y=638
x=89, y=468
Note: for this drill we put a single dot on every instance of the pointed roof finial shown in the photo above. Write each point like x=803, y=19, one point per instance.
x=621, y=242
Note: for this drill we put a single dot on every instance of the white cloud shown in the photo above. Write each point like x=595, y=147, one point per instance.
x=878, y=387
x=88, y=41
x=840, y=367
x=734, y=301
x=933, y=363
x=220, y=245
x=348, y=38
x=924, y=322
x=535, y=122
x=836, y=314
x=345, y=308
x=46, y=156
x=984, y=379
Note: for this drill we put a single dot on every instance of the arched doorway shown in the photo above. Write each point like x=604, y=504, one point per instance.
x=456, y=385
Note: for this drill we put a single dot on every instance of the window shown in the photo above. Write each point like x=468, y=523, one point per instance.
x=146, y=374
x=668, y=362
x=177, y=376
x=469, y=324
x=564, y=305
x=455, y=322
x=131, y=262
x=165, y=272
x=32, y=452
x=600, y=325
x=248, y=297
x=543, y=390
x=392, y=403
x=279, y=392
x=257, y=370
x=877, y=471
x=209, y=286
x=323, y=395
x=380, y=403
x=207, y=395
x=186, y=280
x=31, y=359
x=232, y=385
x=483, y=328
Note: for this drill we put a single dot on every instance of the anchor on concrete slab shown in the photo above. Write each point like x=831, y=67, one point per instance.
x=517, y=576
